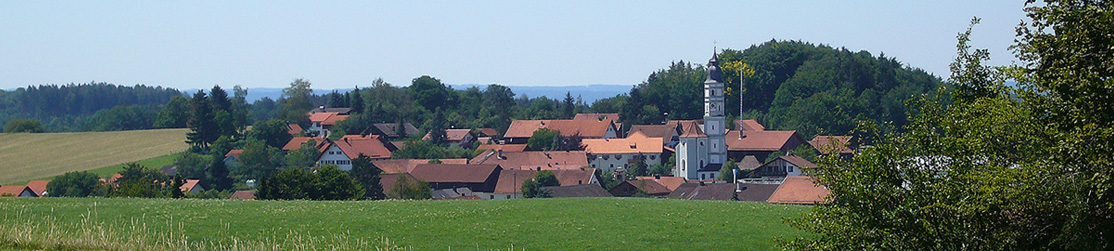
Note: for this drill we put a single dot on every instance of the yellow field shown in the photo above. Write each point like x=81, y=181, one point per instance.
x=26, y=156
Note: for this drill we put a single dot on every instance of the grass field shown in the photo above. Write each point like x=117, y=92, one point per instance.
x=27, y=156
x=524, y=224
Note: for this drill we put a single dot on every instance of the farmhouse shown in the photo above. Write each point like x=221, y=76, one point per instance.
x=16, y=191
x=761, y=144
x=799, y=190
x=321, y=122
x=39, y=187
x=479, y=178
x=784, y=166
x=407, y=165
x=619, y=154
x=510, y=181
x=342, y=152
x=457, y=137
x=520, y=131
x=545, y=160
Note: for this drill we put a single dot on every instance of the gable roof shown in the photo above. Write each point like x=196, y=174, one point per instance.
x=391, y=129
x=724, y=191
x=332, y=120
x=38, y=186
x=760, y=140
x=297, y=142
x=634, y=143
x=690, y=129
x=455, y=173
x=669, y=182
x=451, y=193
x=243, y=195
x=320, y=117
x=321, y=109
x=453, y=134
x=234, y=152
x=510, y=180
x=582, y=128
x=799, y=190
x=293, y=128
x=16, y=191
x=749, y=162
x=546, y=160
x=648, y=186
x=577, y=191
x=407, y=165
x=354, y=145
x=832, y=144
x=749, y=125
x=190, y=184
x=489, y=132
x=596, y=116
x=506, y=148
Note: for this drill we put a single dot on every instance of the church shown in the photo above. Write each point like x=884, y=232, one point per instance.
x=702, y=149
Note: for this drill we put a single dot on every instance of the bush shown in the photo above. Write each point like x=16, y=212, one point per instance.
x=23, y=125
x=76, y=184
x=326, y=183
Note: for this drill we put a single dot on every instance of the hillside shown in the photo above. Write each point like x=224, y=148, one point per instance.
x=37, y=155
x=529, y=224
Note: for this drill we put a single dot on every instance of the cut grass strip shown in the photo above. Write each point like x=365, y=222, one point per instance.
x=26, y=156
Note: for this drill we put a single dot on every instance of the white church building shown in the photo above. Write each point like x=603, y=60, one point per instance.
x=702, y=149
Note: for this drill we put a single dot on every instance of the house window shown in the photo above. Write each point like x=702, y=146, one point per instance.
x=701, y=143
x=702, y=176
x=618, y=157
x=790, y=168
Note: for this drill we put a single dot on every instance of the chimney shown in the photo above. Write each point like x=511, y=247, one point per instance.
x=539, y=169
x=657, y=176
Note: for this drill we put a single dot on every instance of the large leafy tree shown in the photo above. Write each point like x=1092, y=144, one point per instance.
x=176, y=114
x=296, y=101
x=430, y=93
x=76, y=184
x=988, y=166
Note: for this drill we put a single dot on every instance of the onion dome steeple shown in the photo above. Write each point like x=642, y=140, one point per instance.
x=713, y=70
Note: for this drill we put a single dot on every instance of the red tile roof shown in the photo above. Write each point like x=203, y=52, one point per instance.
x=294, y=129
x=596, y=116
x=454, y=173
x=506, y=148
x=234, y=152
x=510, y=181
x=545, y=160
x=649, y=187
x=190, y=184
x=243, y=195
x=583, y=128
x=634, y=143
x=490, y=132
x=14, y=190
x=669, y=182
x=407, y=165
x=38, y=186
x=320, y=117
x=760, y=140
x=354, y=145
x=799, y=190
x=749, y=125
x=453, y=134
x=297, y=142
x=832, y=144
x=798, y=161
x=332, y=120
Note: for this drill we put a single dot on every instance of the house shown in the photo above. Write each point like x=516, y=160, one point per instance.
x=457, y=137
x=800, y=190
x=638, y=187
x=231, y=156
x=192, y=187
x=392, y=130
x=669, y=133
x=784, y=166
x=243, y=195
x=407, y=165
x=480, y=178
x=520, y=131
x=613, y=117
x=488, y=132
x=510, y=181
x=760, y=144
x=620, y=154
x=452, y=193
x=505, y=148
x=724, y=191
x=749, y=125
x=341, y=152
x=321, y=122
x=16, y=191
x=827, y=145
x=545, y=160
x=294, y=129
x=577, y=191
x=39, y=187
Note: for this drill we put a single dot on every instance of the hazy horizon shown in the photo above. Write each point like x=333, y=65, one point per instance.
x=188, y=45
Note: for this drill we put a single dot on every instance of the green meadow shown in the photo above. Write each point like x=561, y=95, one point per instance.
x=523, y=224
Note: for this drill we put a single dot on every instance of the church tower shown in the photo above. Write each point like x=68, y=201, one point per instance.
x=715, y=125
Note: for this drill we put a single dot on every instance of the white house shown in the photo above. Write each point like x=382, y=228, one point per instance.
x=620, y=154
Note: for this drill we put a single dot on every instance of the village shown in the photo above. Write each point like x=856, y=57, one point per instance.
x=693, y=153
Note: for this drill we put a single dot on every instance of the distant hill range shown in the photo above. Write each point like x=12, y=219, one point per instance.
x=589, y=93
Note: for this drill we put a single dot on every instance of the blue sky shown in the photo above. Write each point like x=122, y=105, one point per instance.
x=192, y=44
